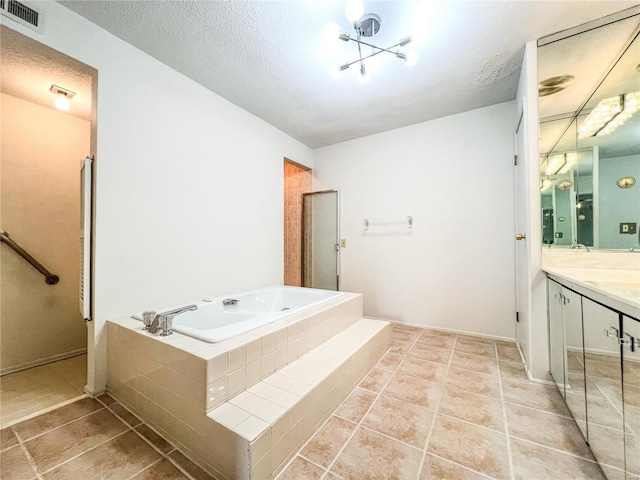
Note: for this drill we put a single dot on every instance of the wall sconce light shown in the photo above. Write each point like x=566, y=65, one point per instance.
x=626, y=182
x=64, y=95
x=565, y=184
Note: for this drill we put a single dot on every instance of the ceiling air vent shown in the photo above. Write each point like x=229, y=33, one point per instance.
x=22, y=13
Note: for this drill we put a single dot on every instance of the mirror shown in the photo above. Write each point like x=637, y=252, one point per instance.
x=590, y=135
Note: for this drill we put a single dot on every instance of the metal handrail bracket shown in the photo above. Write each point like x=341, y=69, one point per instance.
x=49, y=277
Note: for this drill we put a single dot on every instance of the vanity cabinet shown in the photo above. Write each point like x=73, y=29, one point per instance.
x=566, y=349
x=603, y=380
x=631, y=392
x=595, y=362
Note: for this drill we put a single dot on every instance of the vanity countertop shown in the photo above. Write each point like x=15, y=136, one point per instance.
x=616, y=287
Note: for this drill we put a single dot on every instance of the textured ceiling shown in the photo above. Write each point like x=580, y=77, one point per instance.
x=29, y=68
x=270, y=57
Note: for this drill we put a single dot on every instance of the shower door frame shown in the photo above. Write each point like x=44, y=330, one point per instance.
x=336, y=244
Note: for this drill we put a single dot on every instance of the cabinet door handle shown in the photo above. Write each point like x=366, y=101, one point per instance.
x=631, y=342
x=611, y=332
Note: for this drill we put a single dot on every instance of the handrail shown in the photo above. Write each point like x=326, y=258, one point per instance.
x=50, y=278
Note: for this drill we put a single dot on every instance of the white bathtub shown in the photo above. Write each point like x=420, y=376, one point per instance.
x=213, y=321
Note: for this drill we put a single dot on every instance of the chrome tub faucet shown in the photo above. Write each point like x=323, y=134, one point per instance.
x=164, y=320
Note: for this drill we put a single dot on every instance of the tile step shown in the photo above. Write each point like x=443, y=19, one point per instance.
x=288, y=405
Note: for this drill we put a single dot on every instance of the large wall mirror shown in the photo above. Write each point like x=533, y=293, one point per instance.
x=590, y=134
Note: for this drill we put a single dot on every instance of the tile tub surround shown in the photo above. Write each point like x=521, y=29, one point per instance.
x=452, y=419
x=173, y=382
x=90, y=439
x=206, y=375
x=256, y=432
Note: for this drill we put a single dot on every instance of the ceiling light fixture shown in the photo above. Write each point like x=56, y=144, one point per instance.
x=554, y=85
x=64, y=95
x=545, y=184
x=609, y=114
x=561, y=164
x=366, y=26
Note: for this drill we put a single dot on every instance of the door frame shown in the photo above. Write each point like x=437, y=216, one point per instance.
x=337, y=244
x=521, y=263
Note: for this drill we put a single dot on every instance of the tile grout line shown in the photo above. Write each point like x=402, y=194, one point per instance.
x=475, y=472
x=25, y=450
x=144, y=469
x=42, y=411
x=298, y=453
x=83, y=452
x=541, y=410
x=162, y=454
x=506, y=423
x=437, y=407
x=327, y=471
x=378, y=395
x=557, y=450
x=61, y=425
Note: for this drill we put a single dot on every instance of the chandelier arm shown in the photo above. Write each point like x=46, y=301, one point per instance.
x=360, y=50
x=388, y=49
x=347, y=65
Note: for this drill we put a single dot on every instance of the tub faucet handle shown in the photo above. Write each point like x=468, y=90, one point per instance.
x=166, y=324
x=148, y=317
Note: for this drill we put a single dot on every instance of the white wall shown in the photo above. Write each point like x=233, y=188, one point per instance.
x=618, y=205
x=189, y=187
x=454, y=175
x=41, y=153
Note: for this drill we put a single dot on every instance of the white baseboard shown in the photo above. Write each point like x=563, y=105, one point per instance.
x=42, y=361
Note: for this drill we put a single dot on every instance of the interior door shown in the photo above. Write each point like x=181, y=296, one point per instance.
x=320, y=248
x=521, y=222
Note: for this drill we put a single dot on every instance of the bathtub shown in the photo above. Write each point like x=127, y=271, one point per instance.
x=213, y=321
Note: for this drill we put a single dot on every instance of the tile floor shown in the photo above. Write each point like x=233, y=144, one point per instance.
x=441, y=405
x=30, y=391
x=90, y=439
x=437, y=405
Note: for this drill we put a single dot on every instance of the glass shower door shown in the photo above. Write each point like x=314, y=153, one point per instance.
x=320, y=240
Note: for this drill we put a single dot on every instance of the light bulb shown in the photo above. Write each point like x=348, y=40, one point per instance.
x=412, y=58
x=331, y=31
x=62, y=102
x=364, y=76
x=335, y=71
x=354, y=10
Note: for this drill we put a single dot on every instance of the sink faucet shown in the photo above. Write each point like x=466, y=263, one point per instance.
x=579, y=245
x=164, y=320
x=634, y=248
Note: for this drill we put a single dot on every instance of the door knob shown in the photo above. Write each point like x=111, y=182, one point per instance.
x=520, y=236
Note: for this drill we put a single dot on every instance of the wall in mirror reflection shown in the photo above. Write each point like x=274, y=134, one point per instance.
x=590, y=173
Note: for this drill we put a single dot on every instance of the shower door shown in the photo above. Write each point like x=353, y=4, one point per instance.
x=320, y=246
